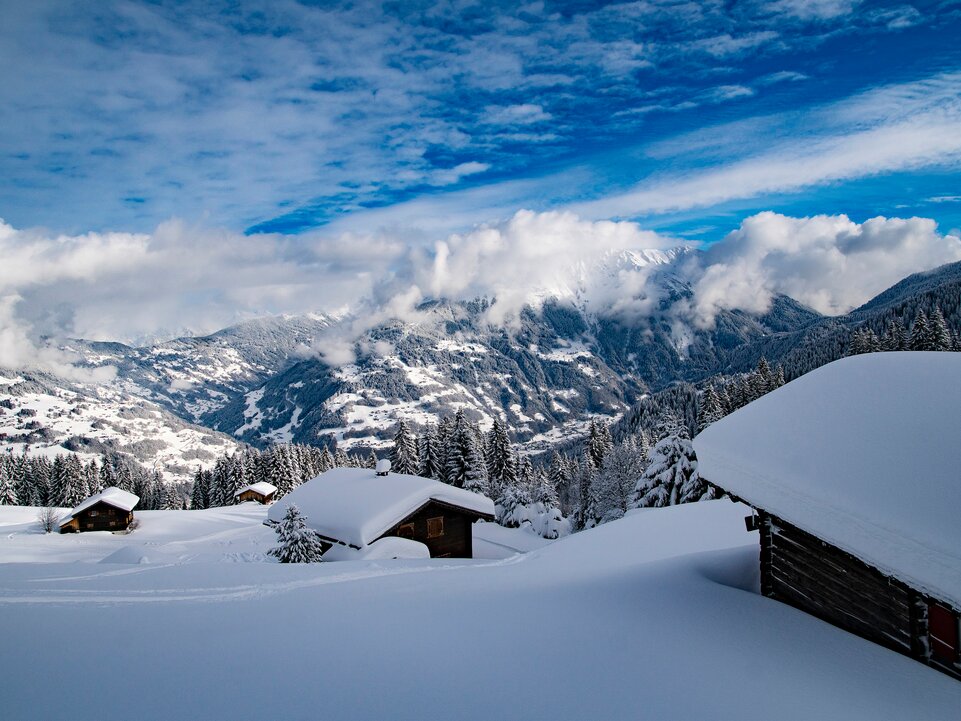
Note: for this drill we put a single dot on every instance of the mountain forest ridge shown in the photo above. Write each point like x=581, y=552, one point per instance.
x=185, y=402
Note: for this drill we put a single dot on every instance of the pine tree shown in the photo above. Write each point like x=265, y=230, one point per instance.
x=8, y=492
x=326, y=461
x=710, y=410
x=371, y=462
x=403, y=454
x=920, y=335
x=895, y=336
x=428, y=453
x=612, y=489
x=671, y=476
x=466, y=467
x=200, y=492
x=940, y=336
x=501, y=470
x=296, y=542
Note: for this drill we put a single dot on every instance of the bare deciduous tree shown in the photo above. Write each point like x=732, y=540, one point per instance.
x=49, y=519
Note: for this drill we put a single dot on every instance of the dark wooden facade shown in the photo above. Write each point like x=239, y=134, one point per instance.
x=99, y=517
x=445, y=529
x=250, y=495
x=808, y=573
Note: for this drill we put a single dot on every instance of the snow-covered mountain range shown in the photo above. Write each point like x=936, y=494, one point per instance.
x=590, y=346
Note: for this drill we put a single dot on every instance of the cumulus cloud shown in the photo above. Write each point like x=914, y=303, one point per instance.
x=826, y=262
x=178, y=279
x=119, y=286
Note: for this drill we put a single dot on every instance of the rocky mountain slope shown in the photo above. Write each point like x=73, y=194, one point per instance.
x=548, y=371
x=48, y=416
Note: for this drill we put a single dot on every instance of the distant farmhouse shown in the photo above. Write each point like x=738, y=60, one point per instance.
x=854, y=471
x=109, y=510
x=261, y=492
x=355, y=511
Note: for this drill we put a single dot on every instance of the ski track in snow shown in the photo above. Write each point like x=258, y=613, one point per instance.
x=62, y=596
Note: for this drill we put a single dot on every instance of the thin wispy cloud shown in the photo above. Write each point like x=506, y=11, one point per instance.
x=286, y=116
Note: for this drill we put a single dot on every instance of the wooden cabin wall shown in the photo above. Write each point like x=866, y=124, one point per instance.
x=810, y=574
x=457, y=541
x=103, y=517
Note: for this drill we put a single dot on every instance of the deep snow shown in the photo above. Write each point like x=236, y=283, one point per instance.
x=654, y=616
x=864, y=452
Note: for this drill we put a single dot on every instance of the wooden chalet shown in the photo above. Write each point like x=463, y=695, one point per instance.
x=261, y=492
x=854, y=473
x=109, y=510
x=351, y=509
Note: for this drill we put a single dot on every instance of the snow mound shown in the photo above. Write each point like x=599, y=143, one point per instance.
x=126, y=554
x=863, y=453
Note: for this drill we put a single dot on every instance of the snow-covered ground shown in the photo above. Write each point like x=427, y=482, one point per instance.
x=653, y=616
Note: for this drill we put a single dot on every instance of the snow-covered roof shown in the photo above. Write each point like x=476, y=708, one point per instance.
x=356, y=506
x=864, y=453
x=261, y=487
x=112, y=496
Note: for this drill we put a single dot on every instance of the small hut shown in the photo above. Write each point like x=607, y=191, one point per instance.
x=261, y=492
x=852, y=471
x=353, y=508
x=109, y=510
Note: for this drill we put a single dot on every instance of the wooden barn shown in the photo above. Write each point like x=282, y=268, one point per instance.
x=854, y=472
x=109, y=510
x=261, y=492
x=352, y=509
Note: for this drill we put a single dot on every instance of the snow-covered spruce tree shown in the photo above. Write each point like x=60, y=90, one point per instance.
x=326, y=461
x=711, y=409
x=920, y=335
x=466, y=467
x=612, y=489
x=403, y=454
x=501, y=470
x=895, y=336
x=428, y=454
x=8, y=491
x=864, y=340
x=598, y=442
x=371, y=461
x=296, y=542
x=940, y=336
x=200, y=492
x=671, y=476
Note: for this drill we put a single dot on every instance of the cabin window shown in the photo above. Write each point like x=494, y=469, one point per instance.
x=435, y=527
x=406, y=530
x=94, y=513
x=943, y=633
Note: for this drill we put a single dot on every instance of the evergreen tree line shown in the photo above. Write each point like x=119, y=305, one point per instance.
x=66, y=480
x=455, y=451
x=928, y=332
x=285, y=466
x=651, y=468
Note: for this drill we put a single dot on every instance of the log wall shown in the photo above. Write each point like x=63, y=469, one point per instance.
x=821, y=579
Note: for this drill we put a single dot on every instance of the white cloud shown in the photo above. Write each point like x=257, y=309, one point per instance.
x=896, y=128
x=118, y=286
x=829, y=263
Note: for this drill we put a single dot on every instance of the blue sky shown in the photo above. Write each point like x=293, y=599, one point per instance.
x=428, y=118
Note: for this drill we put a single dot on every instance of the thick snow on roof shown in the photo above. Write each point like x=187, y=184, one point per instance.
x=112, y=496
x=356, y=506
x=262, y=487
x=864, y=453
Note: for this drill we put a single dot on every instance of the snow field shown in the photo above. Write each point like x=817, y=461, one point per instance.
x=654, y=616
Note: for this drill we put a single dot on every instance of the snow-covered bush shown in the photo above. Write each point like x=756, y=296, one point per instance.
x=297, y=543
x=517, y=509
